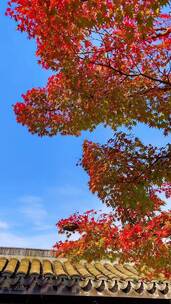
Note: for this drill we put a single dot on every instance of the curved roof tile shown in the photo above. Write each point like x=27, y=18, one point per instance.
x=45, y=274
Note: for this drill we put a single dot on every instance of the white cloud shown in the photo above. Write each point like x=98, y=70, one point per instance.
x=33, y=209
x=30, y=199
x=3, y=225
x=33, y=212
x=40, y=241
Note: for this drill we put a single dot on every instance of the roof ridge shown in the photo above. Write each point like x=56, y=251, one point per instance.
x=32, y=252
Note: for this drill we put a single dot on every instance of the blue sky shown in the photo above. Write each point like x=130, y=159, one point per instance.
x=39, y=179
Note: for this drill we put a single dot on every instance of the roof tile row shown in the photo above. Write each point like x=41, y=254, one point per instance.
x=44, y=274
x=57, y=268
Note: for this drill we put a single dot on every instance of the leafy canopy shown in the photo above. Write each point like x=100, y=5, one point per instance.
x=111, y=66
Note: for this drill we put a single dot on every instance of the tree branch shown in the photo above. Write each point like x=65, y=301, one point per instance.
x=132, y=75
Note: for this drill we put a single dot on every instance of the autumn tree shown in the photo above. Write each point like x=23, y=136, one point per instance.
x=111, y=66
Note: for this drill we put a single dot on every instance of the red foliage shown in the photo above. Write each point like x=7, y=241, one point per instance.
x=102, y=237
x=123, y=174
x=111, y=64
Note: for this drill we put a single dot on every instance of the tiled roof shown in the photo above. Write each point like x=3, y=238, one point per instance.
x=37, y=272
